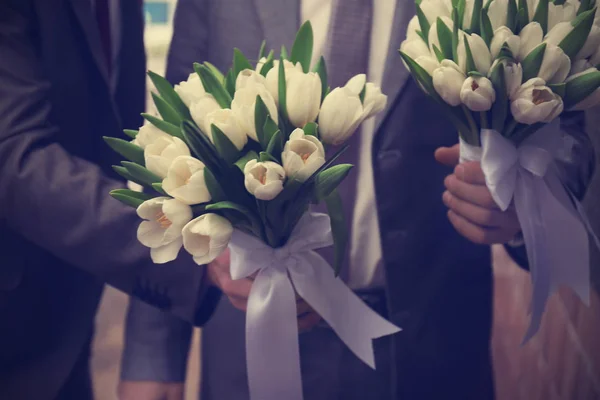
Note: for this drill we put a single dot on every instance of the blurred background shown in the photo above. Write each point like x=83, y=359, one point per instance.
x=561, y=363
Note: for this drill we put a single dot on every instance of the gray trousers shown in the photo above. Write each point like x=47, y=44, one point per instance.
x=329, y=370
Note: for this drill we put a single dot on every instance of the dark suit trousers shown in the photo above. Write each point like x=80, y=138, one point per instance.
x=79, y=383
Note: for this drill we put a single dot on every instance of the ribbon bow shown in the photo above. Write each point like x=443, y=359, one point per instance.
x=555, y=229
x=272, y=350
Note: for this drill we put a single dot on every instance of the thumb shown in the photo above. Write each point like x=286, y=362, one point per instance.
x=448, y=156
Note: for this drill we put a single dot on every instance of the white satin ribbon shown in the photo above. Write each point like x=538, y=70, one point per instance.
x=555, y=229
x=272, y=351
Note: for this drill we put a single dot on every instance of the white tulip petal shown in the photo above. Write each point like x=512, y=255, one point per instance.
x=357, y=83
x=191, y=90
x=166, y=253
x=531, y=37
x=150, y=234
x=206, y=237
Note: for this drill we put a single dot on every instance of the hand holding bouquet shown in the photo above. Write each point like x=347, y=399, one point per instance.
x=503, y=72
x=236, y=160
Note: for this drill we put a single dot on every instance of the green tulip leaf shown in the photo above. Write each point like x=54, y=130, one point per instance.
x=167, y=112
x=328, y=180
x=303, y=47
x=215, y=71
x=213, y=186
x=159, y=189
x=260, y=116
x=224, y=146
x=469, y=56
x=578, y=89
x=500, y=108
x=263, y=48
x=213, y=86
x=487, y=32
x=456, y=23
x=559, y=88
x=141, y=175
x=127, y=149
x=240, y=63
x=476, y=17
x=268, y=65
x=533, y=62
x=512, y=15
x=424, y=24
x=276, y=145
x=339, y=229
x=131, y=133
x=311, y=129
x=130, y=197
x=575, y=40
x=124, y=173
x=167, y=92
x=438, y=53
x=541, y=14
x=241, y=163
x=230, y=83
x=173, y=130
x=201, y=147
x=445, y=37
x=321, y=70
x=264, y=156
x=269, y=129
x=282, y=91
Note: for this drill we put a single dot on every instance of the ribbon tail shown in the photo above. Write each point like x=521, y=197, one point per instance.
x=534, y=235
x=352, y=320
x=272, y=350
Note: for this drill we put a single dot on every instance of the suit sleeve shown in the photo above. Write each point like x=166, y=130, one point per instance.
x=60, y=202
x=577, y=171
x=157, y=344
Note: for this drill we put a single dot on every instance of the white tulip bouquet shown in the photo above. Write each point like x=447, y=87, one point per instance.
x=502, y=72
x=235, y=161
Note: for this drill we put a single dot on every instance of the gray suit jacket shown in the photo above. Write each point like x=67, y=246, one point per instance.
x=439, y=285
x=61, y=235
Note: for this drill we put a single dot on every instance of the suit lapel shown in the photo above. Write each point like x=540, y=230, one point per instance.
x=395, y=73
x=85, y=17
x=280, y=21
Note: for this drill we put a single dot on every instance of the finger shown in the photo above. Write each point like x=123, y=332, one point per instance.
x=240, y=304
x=470, y=172
x=492, y=218
x=475, y=194
x=448, y=156
x=475, y=233
x=308, y=322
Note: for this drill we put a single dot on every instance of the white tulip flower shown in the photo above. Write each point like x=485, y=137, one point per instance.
x=148, y=134
x=200, y=109
x=498, y=11
x=185, y=181
x=273, y=76
x=260, y=64
x=558, y=33
x=227, y=121
x=302, y=155
x=374, y=102
x=164, y=219
x=264, y=180
x=513, y=76
x=428, y=63
x=555, y=65
x=244, y=106
x=504, y=35
x=531, y=36
x=303, y=97
x=562, y=13
x=478, y=94
x=357, y=83
x=191, y=90
x=434, y=9
x=206, y=237
x=413, y=27
x=535, y=102
x=248, y=77
x=434, y=40
x=341, y=114
x=160, y=155
x=415, y=48
x=480, y=51
x=448, y=80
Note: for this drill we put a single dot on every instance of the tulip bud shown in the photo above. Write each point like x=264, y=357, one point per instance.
x=357, y=83
x=497, y=11
x=340, y=115
x=434, y=9
x=415, y=48
x=264, y=180
x=374, y=102
x=447, y=81
x=201, y=108
x=261, y=63
x=558, y=33
x=148, y=134
x=206, y=237
x=535, y=102
x=247, y=78
x=591, y=100
x=185, y=181
x=273, y=76
x=531, y=36
x=555, y=65
x=244, y=105
x=592, y=43
x=160, y=155
x=478, y=94
x=226, y=120
x=302, y=155
x=513, y=76
x=413, y=27
x=562, y=13
x=164, y=219
x=480, y=51
x=191, y=90
x=303, y=97
x=428, y=63
x=504, y=35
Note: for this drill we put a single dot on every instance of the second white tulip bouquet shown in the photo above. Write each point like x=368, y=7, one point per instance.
x=245, y=151
x=504, y=72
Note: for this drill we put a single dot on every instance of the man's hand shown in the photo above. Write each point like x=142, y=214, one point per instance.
x=472, y=211
x=138, y=390
x=238, y=292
